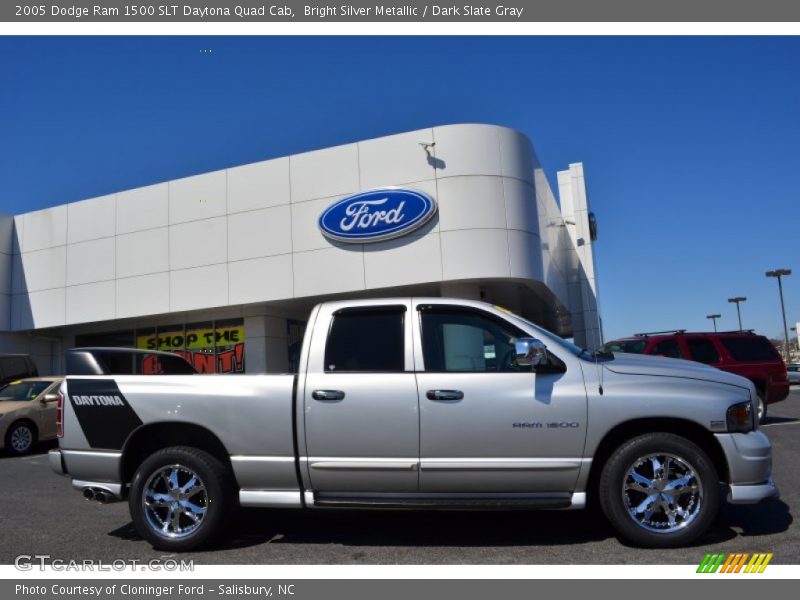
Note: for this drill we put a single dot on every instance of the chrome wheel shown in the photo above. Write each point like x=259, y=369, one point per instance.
x=21, y=439
x=174, y=500
x=662, y=493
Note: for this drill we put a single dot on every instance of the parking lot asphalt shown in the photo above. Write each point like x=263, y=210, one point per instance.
x=41, y=514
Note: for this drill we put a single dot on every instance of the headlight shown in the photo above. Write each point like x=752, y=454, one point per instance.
x=740, y=417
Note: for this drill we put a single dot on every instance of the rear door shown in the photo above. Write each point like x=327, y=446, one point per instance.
x=361, y=412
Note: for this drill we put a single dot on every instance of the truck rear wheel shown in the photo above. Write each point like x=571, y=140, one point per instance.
x=179, y=498
x=659, y=490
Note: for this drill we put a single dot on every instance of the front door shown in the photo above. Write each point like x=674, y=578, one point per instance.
x=486, y=424
x=361, y=407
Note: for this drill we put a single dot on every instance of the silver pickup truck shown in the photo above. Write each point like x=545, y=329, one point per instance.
x=421, y=403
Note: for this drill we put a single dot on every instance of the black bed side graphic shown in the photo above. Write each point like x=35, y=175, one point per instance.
x=104, y=414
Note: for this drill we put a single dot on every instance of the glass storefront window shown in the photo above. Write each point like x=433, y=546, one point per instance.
x=114, y=339
x=210, y=346
x=229, y=340
x=171, y=338
x=200, y=346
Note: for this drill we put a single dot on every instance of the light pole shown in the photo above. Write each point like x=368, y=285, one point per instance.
x=738, y=300
x=778, y=273
x=714, y=318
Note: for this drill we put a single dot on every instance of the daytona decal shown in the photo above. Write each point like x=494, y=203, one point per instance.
x=105, y=416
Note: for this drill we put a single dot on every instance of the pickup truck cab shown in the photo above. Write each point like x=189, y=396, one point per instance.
x=421, y=403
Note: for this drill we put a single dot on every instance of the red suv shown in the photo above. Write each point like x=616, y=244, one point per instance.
x=741, y=352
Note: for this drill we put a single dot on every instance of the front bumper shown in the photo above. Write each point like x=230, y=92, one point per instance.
x=751, y=494
x=749, y=459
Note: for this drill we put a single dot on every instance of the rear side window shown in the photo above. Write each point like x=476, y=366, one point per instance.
x=669, y=348
x=629, y=346
x=750, y=349
x=702, y=350
x=366, y=341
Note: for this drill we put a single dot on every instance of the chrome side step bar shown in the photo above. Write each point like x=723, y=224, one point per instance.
x=542, y=501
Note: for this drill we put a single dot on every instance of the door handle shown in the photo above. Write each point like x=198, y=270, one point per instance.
x=327, y=395
x=446, y=395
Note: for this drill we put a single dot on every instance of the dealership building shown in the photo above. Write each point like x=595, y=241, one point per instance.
x=225, y=266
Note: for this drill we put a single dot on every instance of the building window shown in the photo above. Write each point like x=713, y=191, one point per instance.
x=295, y=330
x=210, y=346
x=115, y=339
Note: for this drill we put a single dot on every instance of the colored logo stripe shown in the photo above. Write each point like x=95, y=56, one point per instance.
x=735, y=562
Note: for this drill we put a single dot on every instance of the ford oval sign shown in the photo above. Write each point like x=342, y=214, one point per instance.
x=376, y=215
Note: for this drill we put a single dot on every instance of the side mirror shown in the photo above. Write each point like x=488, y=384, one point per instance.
x=48, y=398
x=530, y=352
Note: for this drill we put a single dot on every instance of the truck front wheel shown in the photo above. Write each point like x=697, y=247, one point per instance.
x=659, y=490
x=179, y=498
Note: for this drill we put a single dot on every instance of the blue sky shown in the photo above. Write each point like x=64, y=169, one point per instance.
x=690, y=145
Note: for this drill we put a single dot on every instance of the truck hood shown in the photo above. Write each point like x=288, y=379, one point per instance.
x=642, y=364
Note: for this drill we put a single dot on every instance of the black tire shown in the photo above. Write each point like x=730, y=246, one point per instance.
x=761, y=407
x=617, y=491
x=21, y=437
x=215, y=498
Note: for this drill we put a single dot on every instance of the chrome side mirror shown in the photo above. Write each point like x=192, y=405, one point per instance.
x=530, y=352
x=49, y=398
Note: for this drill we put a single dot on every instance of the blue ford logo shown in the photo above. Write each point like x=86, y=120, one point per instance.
x=376, y=215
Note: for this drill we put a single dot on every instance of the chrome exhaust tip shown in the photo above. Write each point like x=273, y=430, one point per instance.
x=88, y=493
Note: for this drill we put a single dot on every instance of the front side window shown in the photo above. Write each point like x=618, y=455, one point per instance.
x=703, y=350
x=23, y=390
x=366, y=341
x=468, y=341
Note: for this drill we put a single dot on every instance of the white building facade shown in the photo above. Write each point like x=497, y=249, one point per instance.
x=224, y=266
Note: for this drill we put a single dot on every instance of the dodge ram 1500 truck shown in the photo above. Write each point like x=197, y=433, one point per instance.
x=421, y=403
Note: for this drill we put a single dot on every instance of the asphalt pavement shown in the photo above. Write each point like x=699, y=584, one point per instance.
x=41, y=514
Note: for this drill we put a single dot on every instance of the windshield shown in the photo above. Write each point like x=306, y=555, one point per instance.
x=23, y=390
x=629, y=346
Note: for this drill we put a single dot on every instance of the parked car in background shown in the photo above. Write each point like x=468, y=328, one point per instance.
x=28, y=409
x=740, y=352
x=16, y=366
x=793, y=371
